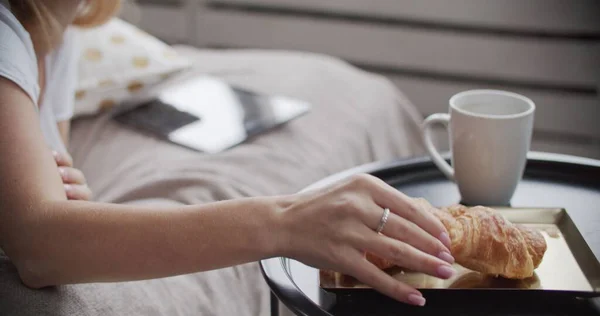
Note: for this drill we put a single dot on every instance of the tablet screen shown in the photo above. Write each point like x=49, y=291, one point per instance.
x=210, y=115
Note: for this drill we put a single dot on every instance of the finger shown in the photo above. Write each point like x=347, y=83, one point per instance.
x=406, y=256
x=71, y=175
x=62, y=159
x=410, y=233
x=410, y=209
x=401, y=229
x=78, y=192
x=369, y=274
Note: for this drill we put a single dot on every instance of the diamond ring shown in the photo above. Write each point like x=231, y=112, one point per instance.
x=384, y=218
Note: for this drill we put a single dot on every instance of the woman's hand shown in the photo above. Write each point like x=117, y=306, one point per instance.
x=73, y=179
x=332, y=229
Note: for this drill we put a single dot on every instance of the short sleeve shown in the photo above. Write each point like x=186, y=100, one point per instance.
x=62, y=80
x=18, y=62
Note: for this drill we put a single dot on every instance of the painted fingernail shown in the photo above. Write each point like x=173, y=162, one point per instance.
x=416, y=299
x=445, y=272
x=445, y=239
x=446, y=256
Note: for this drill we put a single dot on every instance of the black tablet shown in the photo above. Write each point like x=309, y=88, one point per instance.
x=210, y=115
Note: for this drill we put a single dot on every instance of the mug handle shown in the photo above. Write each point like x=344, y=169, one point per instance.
x=438, y=118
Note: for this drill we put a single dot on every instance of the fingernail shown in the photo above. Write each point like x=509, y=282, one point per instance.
x=68, y=187
x=445, y=239
x=416, y=299
x=444, y=255
x=445, y=272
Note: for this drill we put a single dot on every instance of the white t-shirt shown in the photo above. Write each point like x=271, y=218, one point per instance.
x=18, y=63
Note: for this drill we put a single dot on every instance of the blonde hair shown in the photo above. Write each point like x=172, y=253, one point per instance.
x=41, y=18
x=97, y=12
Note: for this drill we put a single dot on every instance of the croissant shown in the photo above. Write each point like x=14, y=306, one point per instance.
x=483, y=240
x=379, y=262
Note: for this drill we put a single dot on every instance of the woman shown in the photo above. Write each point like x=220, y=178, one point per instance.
x=44, y=201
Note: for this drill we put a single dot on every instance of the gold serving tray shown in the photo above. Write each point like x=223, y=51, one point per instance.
x=569, y=265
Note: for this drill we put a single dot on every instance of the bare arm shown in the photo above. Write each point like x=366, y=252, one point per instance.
x=109, y=242
x=55, y=241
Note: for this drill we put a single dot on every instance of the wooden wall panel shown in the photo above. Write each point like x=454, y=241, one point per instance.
x=548, y=62
x=572, y=114
x=531, y=16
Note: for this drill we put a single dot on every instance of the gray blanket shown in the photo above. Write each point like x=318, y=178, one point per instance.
x=357, y=118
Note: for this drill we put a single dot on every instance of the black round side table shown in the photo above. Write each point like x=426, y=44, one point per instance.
x=550, y=180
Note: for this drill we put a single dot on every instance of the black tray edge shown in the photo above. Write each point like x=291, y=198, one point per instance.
x=375, y=168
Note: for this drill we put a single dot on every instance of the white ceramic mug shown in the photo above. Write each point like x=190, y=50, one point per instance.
x=490, y=136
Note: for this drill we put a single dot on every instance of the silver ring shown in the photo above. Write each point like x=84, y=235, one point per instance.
x=384, y=219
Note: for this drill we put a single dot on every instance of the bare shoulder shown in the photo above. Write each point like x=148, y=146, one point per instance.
x=26, y=163
x=15, y=103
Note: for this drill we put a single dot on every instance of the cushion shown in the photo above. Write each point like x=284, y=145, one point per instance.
x=118, y=60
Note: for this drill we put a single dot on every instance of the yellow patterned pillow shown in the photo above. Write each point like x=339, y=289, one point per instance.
x=117, y=61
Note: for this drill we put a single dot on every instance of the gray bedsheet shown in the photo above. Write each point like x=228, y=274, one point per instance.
x=357, y=118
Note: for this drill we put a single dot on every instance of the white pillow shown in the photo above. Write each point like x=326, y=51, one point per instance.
x=118, y=60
